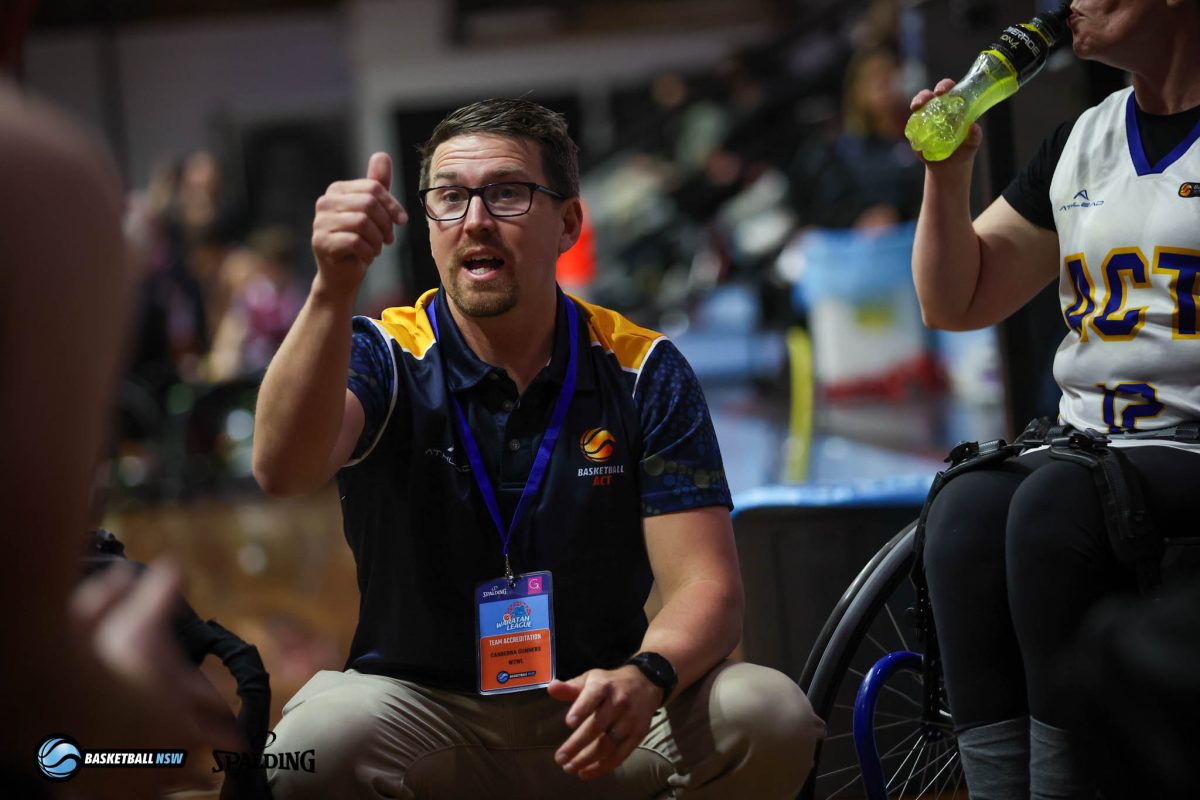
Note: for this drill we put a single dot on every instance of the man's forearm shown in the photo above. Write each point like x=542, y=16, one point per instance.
x=698, y=626
x=302, y=399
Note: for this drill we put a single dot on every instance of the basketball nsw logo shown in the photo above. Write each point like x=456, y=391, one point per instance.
x=598, y=446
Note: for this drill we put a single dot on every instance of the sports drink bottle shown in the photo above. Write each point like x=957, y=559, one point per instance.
x=937, y=128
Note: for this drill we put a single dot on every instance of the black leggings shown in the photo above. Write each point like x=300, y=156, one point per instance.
x=1015, y=556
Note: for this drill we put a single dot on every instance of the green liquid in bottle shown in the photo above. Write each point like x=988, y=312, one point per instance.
x=940, y=126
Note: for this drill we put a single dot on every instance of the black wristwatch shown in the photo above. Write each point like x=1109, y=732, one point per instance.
x=657, y=670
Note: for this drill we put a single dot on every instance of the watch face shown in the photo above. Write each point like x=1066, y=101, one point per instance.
x=657, y=669
x=659, y=666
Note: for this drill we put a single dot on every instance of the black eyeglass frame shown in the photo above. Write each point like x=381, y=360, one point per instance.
x=479, y=190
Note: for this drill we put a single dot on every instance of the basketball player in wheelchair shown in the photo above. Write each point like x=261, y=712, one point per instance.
x=1025, y=540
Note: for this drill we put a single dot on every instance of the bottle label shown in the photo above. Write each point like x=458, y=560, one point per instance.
x=1024, y=48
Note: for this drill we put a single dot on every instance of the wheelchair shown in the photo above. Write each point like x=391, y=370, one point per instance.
x=873, y=673
x=198, y=639
x=864, y=677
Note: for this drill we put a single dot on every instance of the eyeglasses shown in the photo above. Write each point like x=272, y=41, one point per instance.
x=508, y=199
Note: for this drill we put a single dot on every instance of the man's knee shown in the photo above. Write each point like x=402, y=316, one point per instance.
x=768, y=720
x=335, y=728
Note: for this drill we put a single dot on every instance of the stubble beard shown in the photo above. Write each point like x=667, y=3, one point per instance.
x=482, y=304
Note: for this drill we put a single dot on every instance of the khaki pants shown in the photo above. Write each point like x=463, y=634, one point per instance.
x=743, y=732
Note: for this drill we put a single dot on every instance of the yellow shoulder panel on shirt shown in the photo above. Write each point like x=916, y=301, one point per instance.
x=628, y=342
x=409, y=325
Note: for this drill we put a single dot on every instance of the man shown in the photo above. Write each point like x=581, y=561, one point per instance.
x=500, y=439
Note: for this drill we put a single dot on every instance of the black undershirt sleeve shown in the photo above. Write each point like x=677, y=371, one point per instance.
x=1029, y=192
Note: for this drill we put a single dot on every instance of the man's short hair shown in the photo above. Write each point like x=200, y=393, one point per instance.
x=519, y=119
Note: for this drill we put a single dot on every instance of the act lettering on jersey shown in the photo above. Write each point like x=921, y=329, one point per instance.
x=1125, y=271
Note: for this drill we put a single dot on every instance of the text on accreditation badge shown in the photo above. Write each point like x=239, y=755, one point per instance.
x=515, y=625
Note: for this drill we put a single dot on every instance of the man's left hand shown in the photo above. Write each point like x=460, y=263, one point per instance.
x=610, y=712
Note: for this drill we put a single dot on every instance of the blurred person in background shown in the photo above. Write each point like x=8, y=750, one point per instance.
x=264, y=299
x=95, y=661
x=648, y=709
x=868, y=178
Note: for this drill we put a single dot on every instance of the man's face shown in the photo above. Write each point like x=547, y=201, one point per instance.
x=492, y=265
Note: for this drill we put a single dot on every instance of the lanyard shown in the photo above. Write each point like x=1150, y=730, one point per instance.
x=540, y=462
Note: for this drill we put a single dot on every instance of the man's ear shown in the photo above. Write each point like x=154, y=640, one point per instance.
x=572, y=217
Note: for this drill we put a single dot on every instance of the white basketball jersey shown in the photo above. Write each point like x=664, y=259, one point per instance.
x=1129, y=238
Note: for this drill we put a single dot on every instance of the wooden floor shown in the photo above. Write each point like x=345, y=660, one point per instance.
x=278, y=573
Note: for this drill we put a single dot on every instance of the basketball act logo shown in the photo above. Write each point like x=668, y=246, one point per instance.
x=597, y=446
x=1189, y=189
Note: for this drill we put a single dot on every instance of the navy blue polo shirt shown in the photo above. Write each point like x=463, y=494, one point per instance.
x=637, y=441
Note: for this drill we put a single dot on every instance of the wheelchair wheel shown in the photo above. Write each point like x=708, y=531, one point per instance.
x=918, y=757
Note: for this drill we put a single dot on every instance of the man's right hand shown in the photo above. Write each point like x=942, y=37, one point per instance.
x=965, y=154
x=354, y=220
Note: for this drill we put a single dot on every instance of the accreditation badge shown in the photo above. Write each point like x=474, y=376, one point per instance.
x=515, y=626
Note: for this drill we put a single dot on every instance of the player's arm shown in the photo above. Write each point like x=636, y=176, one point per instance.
x=307, y=421
x=973, y=273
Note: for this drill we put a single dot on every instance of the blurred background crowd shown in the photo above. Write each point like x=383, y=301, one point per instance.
x=748, y=191
x=715, y=140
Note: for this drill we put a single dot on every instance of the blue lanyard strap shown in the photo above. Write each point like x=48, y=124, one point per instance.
x=541, y=461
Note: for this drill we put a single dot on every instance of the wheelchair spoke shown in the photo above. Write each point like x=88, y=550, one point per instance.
x=896, y=626
x=878, y=644
x=878, y=713
x=948, y=764
x=884, y=727
x=838, y=771
x=856, y=779
x=892, y=689
x=915, y=751
x=893, y=751
x=945, y=782
x=919, y=752
x=931, y=762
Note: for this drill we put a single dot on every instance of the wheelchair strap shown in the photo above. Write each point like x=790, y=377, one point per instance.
x=1131, y=533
